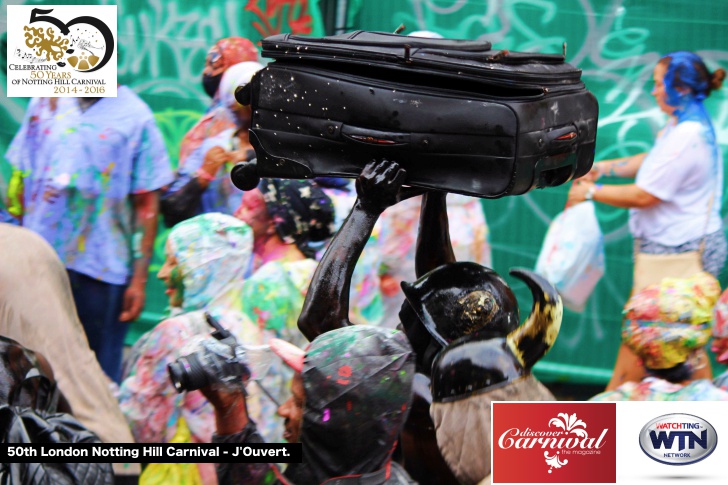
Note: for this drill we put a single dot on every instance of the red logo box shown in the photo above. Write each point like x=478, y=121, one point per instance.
x=554, y=442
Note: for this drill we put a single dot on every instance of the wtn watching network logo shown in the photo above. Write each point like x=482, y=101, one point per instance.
x=678, y=439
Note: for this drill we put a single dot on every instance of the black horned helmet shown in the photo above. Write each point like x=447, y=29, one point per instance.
x=466, y=302
x=462, y=298
x=472, y=364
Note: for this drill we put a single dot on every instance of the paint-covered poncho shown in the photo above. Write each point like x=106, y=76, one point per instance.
x=213, y=252
x=358, y=386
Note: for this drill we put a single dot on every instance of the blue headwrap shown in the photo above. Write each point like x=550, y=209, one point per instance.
x=687, y=70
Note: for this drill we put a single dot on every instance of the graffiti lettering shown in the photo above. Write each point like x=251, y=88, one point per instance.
x=162, y=46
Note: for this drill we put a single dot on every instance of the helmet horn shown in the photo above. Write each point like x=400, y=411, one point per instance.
x=530, y=341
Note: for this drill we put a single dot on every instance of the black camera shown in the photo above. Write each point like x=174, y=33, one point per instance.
x=219, y=360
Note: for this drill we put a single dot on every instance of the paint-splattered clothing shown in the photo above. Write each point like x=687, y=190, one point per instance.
x=266, y=305
x=221, y=195
x=31, y=150
x=213, y=252
x=231, y=51
x=79, y=182
x=358, y=386
x=654, y=389
x=665, y=323
x=273, y=297
x=215, y=121
x=147, y=398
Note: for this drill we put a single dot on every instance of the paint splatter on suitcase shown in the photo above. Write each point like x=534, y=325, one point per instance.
x=458, y=115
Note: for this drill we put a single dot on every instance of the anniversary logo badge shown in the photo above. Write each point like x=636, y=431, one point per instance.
x=559, y=442
x=61, y=51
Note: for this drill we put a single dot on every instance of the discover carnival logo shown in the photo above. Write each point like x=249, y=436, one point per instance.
x=574, y=442
x=574, y=439
x=678, y=439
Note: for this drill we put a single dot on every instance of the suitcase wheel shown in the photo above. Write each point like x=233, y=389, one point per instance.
x=245, y=175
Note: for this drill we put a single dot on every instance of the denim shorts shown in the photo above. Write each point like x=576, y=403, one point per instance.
x=714, y=254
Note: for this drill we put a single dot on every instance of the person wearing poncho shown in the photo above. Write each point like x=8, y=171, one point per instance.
x=351, y=397
x=37, y=310
x=665, y=325
x=202, y=184
x=210, y=254
x=251, y=276
x=32, y=414
x=225, y=53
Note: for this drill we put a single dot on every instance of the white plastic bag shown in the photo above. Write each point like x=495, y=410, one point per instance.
x=572, y=255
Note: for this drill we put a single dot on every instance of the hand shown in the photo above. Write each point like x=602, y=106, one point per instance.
x=378, y=185
x=215, y=158
x=242, y=155
x=231, y=414
x=578, y=192
x=223, y=397
x=134, y=298
x=593, y=174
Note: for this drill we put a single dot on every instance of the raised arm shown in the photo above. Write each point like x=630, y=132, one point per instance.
x=628, y=196
x=327, y=302
x=182, y=199
x=433, y=237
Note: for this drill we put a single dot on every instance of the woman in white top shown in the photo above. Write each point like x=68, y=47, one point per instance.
x=675, y=201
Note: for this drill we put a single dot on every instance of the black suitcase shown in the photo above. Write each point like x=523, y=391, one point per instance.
x=457, y=115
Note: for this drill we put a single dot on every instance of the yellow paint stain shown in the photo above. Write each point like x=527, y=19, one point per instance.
x=106, y=174
x=82, y=243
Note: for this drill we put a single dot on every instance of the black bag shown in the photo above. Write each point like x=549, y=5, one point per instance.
x=457, y=115
x=24, y=426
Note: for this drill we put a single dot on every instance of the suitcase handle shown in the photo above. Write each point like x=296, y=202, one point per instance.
x=561, y=137
x=367, y=136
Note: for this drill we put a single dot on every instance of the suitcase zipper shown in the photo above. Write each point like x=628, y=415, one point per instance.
x=536, y=92
x=347, y=42
x=485, y=72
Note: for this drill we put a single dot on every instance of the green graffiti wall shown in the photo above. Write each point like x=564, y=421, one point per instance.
x=616, y=43
x=161, y=53
x=162, y=46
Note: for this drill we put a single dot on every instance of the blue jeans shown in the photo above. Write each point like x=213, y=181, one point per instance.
x=99, y=305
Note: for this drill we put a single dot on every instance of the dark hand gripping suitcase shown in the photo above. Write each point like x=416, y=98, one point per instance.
x=457, y=115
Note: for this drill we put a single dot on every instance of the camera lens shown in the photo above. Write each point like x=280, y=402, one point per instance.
x=187, y=374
